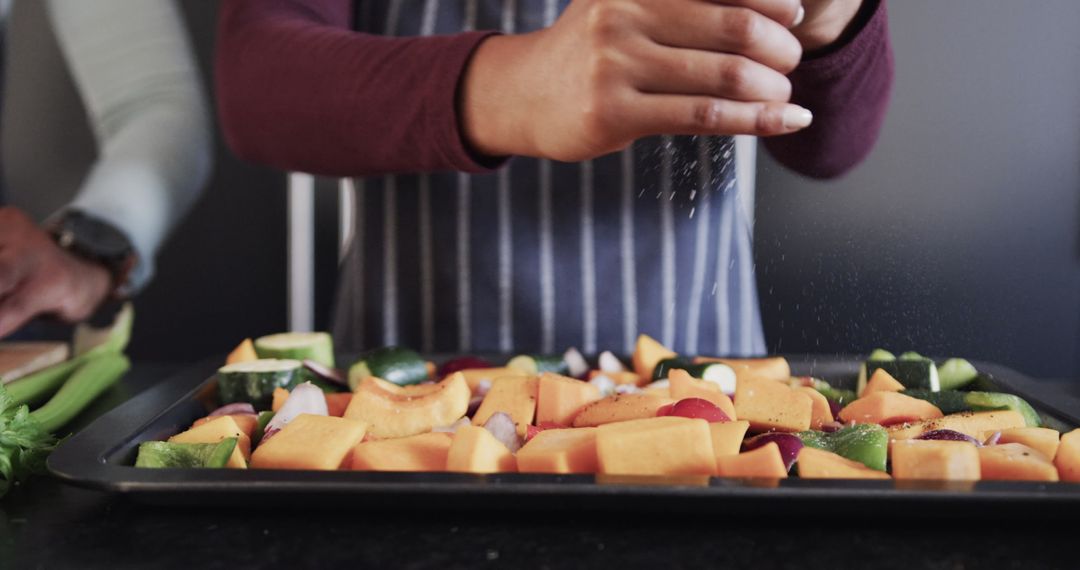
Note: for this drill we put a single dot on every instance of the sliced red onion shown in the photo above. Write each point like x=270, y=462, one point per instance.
x=604, y=384
x=835, y=408
x=462, y=363
x=452, y=428
x=482, y=388
x=502, y=427
x=948, y=435
x=831, y=427
x=304, y=399
x=608, y=362
x=332, y=375
x=268, y=434
x=474, y=405
x=575, y=362
x=627, y=389
x=790, y=445
x=236, y=408
x=993, y=439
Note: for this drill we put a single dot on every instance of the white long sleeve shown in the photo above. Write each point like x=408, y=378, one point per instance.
x=135, y=70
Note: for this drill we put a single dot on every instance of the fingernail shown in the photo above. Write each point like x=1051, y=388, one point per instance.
x=796, y=117
x=799, y=17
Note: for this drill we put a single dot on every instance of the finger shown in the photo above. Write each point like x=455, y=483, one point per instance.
x=736, y=30
x=695, y=72
x=11, y=273
x=696, y=115
x=18, y=308
x=787, y=13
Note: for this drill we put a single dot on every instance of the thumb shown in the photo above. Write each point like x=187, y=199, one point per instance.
x=18, y=308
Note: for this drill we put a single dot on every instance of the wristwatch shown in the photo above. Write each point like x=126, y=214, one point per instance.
x=99, y=241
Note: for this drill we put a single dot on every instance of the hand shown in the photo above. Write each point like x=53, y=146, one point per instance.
x=825, y=21
x=611, y=71
x=38, y=277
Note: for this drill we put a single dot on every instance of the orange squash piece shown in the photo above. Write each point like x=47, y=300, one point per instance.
x=215, y=430
x=620, y=408
x=244, y=352
x=727, y=437
x=764, y=462
x=1067, y=459
x=1015, y=462
x=820, y=413
x=246, y=422
x=970, y=423
x=559, y=451
x=310, y=442
x=1044, y=440
x=888, y=408
x=771, y=405
x=399, y=411
x=280, y=395
x=423, y=452
x=625, y=377
x=475, y=376
x=882, y=381
x=771, y=368
x=683, y=386
x=514, y=396
x=820, y=464
x=933, y=459
x=655, y=446
x=475, y=450
x=336, y=404
x=560, y=398
x=648, y=352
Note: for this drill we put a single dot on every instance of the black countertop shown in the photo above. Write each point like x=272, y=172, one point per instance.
x=48, y=525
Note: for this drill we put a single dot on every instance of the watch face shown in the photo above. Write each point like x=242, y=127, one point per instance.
x=97, y=237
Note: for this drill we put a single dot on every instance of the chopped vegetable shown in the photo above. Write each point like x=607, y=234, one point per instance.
x=254, y=382
x=790, y=445
x=317, y=346
x=956, y=373
x=394, y=364
x=304, y=399
x=162, y=454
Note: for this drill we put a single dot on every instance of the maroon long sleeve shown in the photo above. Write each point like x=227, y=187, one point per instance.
x=848, y=92
x=298, y=90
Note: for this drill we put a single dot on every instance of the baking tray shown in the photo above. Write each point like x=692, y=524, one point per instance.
x=100, y=457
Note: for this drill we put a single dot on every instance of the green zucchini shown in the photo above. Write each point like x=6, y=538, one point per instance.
x=956, y=373
x=921, y=373
x=956, y=401
x=662, y=368
x=538, y=363
x=317, y=346
x=881, y=354
x=163, y=454
x=394, y=364
x=838, y=395
x=254, y=381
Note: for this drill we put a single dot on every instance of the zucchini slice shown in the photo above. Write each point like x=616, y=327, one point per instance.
x=956, y=373
x=317, y=346
x=394, y=364
x=255, y=381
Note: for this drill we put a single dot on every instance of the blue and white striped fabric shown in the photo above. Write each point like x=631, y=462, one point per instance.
x=544, y=255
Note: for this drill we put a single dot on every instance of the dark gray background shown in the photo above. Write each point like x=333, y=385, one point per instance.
x=960, y=235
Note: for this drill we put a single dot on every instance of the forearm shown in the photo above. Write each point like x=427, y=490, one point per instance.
x=848, y=90
x=134, y=69
x=298, y=90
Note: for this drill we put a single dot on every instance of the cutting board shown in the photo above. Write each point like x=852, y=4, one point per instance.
x=18, y=359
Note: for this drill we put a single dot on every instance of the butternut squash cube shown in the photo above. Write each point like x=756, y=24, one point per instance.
x=511, y=395
x=820, y=464
x=560, y=398
x=1044, y=440
x=399, y=411
x=771, y=368
x=619, y=408
x=475, y=376
x=648, y=352
x=215, y=430
x=888, y=408
x=683, y=386
x=475, y=450
x=763, y=462
x=310, y=442
x=970, y=423
x=1067, y=459
x=559, y=451
x=1015, y=462
x=933, y=459
x=727, y=437
x=246, y=422
x=882, y=381
x=771, y=405
x=656, y=446
x=423, y=452
x=336, y=404
x=280, y=395
x=820, y=412
x=244, y=352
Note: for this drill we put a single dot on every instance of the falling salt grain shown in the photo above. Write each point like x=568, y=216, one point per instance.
x=692, y=210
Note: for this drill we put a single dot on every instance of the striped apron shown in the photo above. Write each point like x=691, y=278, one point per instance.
x=544, y=255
